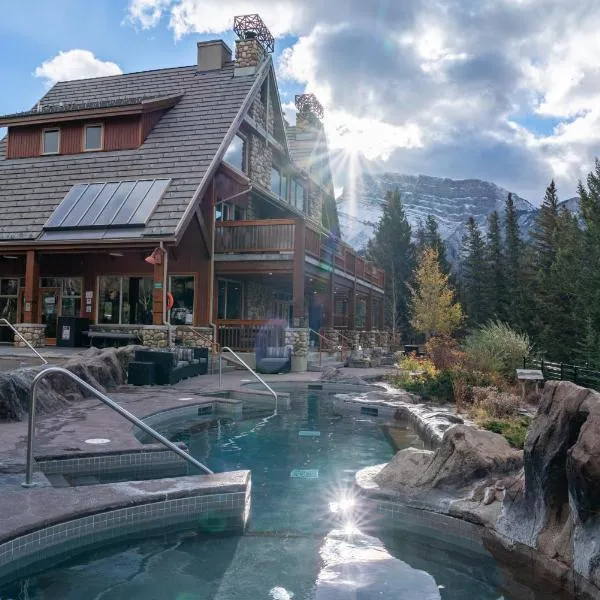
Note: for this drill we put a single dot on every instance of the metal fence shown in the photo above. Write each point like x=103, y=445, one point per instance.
x=578, y=374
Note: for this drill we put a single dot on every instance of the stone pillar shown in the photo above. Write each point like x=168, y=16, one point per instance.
x=298, y=338
x=354, y=337
x=34, y=333
x=32, y=283
x=155, y=336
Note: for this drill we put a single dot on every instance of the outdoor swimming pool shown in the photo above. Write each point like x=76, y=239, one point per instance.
x=305, y=538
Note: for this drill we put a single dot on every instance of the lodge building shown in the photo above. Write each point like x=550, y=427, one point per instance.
x=178, y=200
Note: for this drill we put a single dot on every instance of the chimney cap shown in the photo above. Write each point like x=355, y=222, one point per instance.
x=248, y=27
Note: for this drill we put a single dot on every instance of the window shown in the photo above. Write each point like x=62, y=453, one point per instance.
x=229, y=212
x=9, y=289
x=125, y=300
x=298, y=195
x=230, y=299
x=284, y=186
x=70, y=293
x=92, y=137
x=51, y=141
x=276, y=181
x=182, y=289
x=235, y=155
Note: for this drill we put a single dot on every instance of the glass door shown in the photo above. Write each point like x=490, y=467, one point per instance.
x=49, y=305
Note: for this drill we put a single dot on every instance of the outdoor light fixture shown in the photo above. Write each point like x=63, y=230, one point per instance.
x=116, y=254
x=155, y=258
x=10, y=257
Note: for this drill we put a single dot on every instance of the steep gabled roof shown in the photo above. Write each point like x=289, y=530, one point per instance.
x=182, y=147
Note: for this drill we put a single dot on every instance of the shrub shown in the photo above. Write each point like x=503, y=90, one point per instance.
x=514, y=430
x=500, y=404
x=496, y=347
x=444, y=352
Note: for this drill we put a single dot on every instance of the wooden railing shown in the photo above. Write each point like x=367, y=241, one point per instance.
x=578, y=374
x=241, y=334
x=269, y=235
x=278, y=235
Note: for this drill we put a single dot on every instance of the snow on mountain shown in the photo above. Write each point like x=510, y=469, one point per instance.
x=450, y=201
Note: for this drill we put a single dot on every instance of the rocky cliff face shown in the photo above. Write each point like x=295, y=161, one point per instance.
x=450, y=201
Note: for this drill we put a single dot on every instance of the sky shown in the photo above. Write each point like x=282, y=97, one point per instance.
x=502, y=90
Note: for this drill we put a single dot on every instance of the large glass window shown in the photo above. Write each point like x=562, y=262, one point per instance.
x=284, y=186
x=182, y=289
x=229, y=212
x=125, y=300
x=93, y=137
x=51, y=141
x=235, y=154
x=9, y=291
x=276, y=181
x=69, y=293
x=298, y=195
x=230, y=299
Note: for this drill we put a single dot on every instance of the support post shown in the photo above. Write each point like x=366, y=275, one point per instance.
x=157, y=291
x=330, y=303
x=32, y=283
x=298, y=275
x=381, y=314
x=369, y=311
x=352, y=307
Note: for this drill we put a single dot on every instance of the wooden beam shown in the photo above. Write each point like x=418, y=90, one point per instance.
x=369, y=311
x=330, y=303
x=157, y=292
x=298, y=275
x=381, y=313
x=205, y=235
x=352, y=306
x=32, y=282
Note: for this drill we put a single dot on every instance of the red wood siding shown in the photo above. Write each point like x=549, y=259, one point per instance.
x=24, y=142
x=149, y=120
x=122, y=133
x=71, y=138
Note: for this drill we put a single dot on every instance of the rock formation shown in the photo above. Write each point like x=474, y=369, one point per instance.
x=104, y=369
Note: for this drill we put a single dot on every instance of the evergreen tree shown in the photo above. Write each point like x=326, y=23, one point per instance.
x=544, y=231
x=496, y=283
x=513, y=264
x=433, y=308
x=474, y=274
x=392, y=250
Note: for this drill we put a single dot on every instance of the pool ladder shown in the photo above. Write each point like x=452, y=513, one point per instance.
x=110, y=403
x=244, y=364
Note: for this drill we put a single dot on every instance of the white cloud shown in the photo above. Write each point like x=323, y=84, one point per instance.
x=435, y=86
x=75, y=64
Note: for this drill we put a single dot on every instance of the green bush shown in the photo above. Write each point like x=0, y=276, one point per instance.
x=496, y=348
x=437, y=387
x=514, y=430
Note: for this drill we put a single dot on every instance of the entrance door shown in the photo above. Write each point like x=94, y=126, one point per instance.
x=49, y=307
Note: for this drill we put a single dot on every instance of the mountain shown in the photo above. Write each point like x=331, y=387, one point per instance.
x=450, y=201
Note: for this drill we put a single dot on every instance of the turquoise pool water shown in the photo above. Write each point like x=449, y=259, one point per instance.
x=305, y=539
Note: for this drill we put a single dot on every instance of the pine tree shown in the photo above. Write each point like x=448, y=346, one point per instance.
x=433, y=308
x=513, y=263
x=496, y=283
x=474, y=274
x=544, y=231
x=392, y=250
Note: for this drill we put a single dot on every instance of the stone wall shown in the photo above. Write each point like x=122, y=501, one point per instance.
x=248, y=53
x=260, y=158
x=199, y=337
x=314, y=204
x=156, y=336
x=332, y=341
x=34, y=333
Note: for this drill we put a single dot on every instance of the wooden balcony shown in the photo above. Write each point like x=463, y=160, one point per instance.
x=272, y=235
x=278, y=235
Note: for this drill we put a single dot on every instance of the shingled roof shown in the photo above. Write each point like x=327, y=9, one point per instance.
x=181, y=147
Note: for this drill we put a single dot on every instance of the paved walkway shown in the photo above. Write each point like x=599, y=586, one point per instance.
x=66, y=432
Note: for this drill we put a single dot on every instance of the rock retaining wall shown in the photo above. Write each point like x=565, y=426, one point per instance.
x=34, y=333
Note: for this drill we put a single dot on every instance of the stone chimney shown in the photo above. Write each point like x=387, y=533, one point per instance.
x=213, y=55
x=254, y=42
x=310, y=112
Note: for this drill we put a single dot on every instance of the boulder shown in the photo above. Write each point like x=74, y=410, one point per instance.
x=336, y=375
x=104, y=369
x=556, y=508
x=465, y=456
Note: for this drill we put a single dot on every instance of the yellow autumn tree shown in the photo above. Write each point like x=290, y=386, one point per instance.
x=433, y=308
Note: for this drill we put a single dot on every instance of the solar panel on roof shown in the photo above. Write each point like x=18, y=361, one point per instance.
x=108, y=204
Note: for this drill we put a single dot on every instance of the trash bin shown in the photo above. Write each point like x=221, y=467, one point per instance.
x=70, y=331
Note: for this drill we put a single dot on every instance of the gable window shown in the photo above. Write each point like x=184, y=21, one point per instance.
x=276, y=181
x=92, y=137
x=235, y=154
x=51, y=141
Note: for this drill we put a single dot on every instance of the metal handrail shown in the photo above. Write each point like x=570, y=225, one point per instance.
x=341, y=347
x=111, y=404
x=16, y=332
x=256, y=375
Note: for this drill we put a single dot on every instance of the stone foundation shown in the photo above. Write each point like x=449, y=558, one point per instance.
x=34, y=333
x=156, y=336
x=332, y=342
x=298, y=340
x=199, y=337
